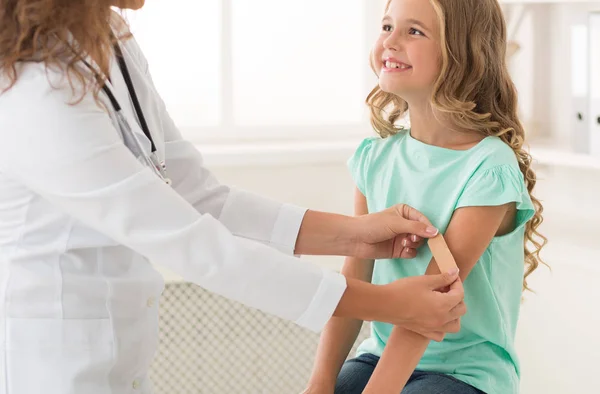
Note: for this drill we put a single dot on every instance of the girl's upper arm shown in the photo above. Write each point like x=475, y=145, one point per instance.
x=470, y=232
x=360, y=203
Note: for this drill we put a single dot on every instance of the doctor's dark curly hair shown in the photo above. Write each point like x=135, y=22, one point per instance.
x=475, y=92
x=57, y=33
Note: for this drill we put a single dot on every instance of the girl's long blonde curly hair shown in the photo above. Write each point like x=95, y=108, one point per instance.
x=58, y=33
x=474, y=91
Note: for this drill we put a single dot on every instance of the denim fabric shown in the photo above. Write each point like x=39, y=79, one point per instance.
x=356, y=372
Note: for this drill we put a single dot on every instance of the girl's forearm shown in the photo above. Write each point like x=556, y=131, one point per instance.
x=336, y=342
x=340, y=333
x=405, y=348
x=401, y=356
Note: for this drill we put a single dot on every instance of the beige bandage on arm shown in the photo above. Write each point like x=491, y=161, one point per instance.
x=442, y=255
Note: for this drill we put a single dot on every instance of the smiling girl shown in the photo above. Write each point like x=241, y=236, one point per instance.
x=462, y=164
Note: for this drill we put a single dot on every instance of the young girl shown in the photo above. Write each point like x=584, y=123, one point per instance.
x=462, y=164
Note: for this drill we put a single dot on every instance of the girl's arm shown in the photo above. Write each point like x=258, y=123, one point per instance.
x=338, y=336
x=340, y=333
x=468, y=235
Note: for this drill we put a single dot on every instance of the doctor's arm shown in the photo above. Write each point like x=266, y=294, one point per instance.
x=286, y=227
x=73, y=157
x=468, y=235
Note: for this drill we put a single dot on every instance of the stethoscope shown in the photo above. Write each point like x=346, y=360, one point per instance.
x=151, y=160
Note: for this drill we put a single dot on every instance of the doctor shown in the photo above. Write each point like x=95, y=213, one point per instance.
x=96, y=181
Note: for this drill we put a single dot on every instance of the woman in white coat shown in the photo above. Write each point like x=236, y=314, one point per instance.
x=96, y=182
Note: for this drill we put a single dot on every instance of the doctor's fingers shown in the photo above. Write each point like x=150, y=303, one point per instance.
x=404, y=248
x=452, y=327
x=412, y=241
x=448, y=328
x=457, y=312
x=408, y=253
x=411, y=213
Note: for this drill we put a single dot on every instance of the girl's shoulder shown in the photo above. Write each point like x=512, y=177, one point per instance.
x=495, y=178
x=494, y=152
x=371, y=153
x=381, y=145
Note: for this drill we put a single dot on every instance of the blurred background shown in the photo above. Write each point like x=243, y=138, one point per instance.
x=272, y=92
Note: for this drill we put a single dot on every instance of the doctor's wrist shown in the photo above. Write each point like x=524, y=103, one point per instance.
x=368, y=302
x=356, y=300
x=327, y=234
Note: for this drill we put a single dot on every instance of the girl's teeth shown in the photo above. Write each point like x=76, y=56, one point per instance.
x=389, y=64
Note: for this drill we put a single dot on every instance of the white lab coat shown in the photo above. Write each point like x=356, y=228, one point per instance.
x=81, y=219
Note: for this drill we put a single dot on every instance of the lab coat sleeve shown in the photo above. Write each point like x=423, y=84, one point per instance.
x=72, y=156
x=245, y=214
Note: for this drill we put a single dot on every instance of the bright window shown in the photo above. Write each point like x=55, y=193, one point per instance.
x=238, y=69
x=181, y=40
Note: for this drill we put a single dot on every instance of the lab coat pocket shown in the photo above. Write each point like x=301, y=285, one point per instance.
x=65, y=356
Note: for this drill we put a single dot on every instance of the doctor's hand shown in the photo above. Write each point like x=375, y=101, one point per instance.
x=431, y=305
x=449, y=315
x=394, y=233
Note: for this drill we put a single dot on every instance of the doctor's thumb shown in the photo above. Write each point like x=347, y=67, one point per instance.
x=443, y=280
x=420, y=229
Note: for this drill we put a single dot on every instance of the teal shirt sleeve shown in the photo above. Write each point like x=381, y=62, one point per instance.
x=495, y=186
x=358, y=164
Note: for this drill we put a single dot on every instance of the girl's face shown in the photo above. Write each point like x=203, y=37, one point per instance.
x=128, y=4
x=407, y=54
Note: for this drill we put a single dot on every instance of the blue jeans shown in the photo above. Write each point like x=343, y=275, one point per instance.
x=355, y=374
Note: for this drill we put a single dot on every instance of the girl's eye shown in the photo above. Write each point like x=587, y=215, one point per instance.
x=386, y=28
x=413, y=31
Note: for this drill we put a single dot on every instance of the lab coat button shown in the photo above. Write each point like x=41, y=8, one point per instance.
x=136, y=384
x=151, y=302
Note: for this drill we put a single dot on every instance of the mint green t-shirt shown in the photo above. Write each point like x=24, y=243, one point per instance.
x=437, y=181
